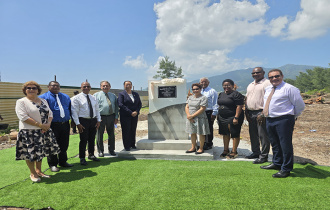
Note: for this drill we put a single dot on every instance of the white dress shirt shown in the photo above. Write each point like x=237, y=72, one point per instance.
x=212, y=97
x=285, y=101
x=80, y=107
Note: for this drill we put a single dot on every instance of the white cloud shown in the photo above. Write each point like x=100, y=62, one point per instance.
x=199, y=35
x=276, y=26
x=137, y=63
x=312, y=21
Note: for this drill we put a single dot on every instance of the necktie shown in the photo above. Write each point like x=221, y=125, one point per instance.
x=266, y=109
x=62, y=114
x=109, y=102
x=90, y=107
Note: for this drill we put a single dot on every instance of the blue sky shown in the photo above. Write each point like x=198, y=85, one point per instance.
x=119, y=40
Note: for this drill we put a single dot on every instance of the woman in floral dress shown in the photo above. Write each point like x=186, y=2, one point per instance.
x=35, y=139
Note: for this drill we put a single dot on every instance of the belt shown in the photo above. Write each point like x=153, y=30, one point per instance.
x=107, y=115
x=59, y=123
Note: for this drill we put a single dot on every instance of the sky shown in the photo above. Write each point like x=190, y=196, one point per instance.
x=119, y=40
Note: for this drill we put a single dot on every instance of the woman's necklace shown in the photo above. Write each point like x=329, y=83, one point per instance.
x=35, y=100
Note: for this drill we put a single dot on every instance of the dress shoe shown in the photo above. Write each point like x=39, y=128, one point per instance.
x=260, y=160
x=54, y=169
x=252, y=156
x=197, y=153
x=127, y=149
x=112, y=153
x=206, y=147
x=66, y=165
x=191, y=151
x=281, y=174
x=43, y=175
x=134, y=147
x=93, y=158
x=101, y=154
x=33, y=179
x=271, y=166
x=83, y=162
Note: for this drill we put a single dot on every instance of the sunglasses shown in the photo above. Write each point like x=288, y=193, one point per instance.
x=258, y=72
x=276, y=76
x=87, y=86
x=196, y=89
x=31, y=88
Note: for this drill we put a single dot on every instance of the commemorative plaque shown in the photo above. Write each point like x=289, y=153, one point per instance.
x=167, y=92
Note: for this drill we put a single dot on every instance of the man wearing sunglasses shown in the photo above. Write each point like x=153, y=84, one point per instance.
x=253, y=107
x=282, y=105
x=60, y=104
x=86, y=115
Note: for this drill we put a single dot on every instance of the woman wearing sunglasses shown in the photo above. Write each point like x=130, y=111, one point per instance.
x=197, y=122
x=35, y=139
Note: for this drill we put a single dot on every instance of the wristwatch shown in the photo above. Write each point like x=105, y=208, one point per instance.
x=236, y=118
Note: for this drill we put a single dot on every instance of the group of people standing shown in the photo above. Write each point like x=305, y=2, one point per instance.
x=44, y=127
x=271, y=108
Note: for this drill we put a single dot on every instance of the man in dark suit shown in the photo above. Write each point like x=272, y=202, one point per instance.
x=130, y=104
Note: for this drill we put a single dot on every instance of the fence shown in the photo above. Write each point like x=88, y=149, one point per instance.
x=10, y=92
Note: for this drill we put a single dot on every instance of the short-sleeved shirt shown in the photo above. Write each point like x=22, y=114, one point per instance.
x=228, y=103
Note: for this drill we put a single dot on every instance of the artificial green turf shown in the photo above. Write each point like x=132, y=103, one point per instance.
x=115, y=183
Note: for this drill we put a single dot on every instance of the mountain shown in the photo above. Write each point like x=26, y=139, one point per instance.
x=243, y=78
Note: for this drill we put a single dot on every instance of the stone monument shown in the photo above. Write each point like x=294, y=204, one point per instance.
x=167, y=117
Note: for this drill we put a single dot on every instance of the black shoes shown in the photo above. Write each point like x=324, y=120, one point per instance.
x=197, y=153
x=206, y=147
x=281, y=174
x=260, y=160
x=83, y=162
x=101, y=154
x=66, y=165
x=128, y=149
x=134, y=147
x=252, y=156
x=112, y=153
x=191, y=151
x=54, y=169
x=271, y=166
x=93, y=158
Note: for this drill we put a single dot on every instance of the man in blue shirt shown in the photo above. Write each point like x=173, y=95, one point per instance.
x=211, y=109
x=60, y=104
x=108, y=106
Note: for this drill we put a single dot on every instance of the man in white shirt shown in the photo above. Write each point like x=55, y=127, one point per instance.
x=282, y=105
x=253, y=107
x=86, y=115
x=211, y=109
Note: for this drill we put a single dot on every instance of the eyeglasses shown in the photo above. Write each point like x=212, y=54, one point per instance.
x=54, y=85
x=87, y=86
x=31, y=88
x=257, y=72
x=276, y=76
x=196, y=89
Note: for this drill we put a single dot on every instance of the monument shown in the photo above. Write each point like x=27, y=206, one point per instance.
x=167, y=117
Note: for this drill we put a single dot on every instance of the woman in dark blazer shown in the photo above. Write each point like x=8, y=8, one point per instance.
x=130, y=104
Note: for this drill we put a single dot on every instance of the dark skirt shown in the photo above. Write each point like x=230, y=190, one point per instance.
x=235, y=130
x=34, y=145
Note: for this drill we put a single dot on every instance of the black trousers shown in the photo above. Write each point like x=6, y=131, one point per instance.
x=128, y=127
x=280, y=130
x=209, y=138
x=258, y=133
x=87, y=136
x=62, y=134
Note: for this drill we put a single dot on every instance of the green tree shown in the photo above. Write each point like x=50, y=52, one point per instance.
x=290, y=81
x=316, y=79
x=167, y=69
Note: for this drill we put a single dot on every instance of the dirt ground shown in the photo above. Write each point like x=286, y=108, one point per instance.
x=311, y=138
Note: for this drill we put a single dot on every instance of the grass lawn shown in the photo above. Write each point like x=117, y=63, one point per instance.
x=115, y=183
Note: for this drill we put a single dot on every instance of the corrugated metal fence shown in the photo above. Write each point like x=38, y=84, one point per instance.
x=10, y=92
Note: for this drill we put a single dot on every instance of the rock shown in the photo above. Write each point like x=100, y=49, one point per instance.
x=13, y=135
x=4, y=138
